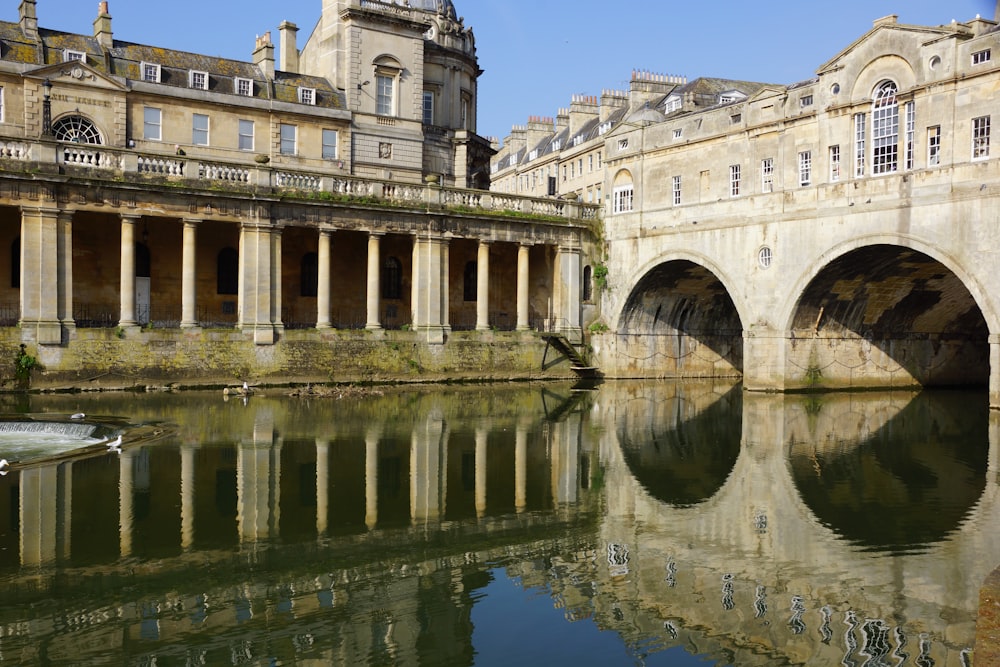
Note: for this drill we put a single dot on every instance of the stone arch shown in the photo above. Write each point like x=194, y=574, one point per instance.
x=78, y=129
x=894, y=67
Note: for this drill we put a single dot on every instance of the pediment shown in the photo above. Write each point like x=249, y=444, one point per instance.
x=881, y=32
x=766, y=92
x=77, y=74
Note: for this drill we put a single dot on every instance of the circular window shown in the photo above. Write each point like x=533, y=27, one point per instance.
x=934, y=62
x=835, y=89
x=764, y=257
x=77, y=130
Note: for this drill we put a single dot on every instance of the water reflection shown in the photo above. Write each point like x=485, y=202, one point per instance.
x=744, y=529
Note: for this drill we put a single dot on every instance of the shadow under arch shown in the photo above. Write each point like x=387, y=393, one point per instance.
x=901, y=301
x=683, y=314
x=910, y=483
x=680, y=454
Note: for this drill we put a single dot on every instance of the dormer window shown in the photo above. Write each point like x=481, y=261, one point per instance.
x=673, y=103
x=605, y=126
x=198, y=80
x=150, y=72
x=981, y=57
x=533, y=155
x=577, y=140
x=74, y=56
x=805, y=101
x=557, y=144
x=307, y=96
x=731, y=96
x=244, y=87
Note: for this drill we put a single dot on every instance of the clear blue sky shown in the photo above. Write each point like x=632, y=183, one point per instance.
x=538, y=53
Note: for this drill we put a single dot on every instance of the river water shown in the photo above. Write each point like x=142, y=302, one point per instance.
x=631, y=524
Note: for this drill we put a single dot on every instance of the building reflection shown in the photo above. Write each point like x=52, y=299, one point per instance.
x=365, y=530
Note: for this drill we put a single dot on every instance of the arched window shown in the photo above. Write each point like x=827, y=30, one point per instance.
x=143, y=262
x=471, y=281
x=885, y=129
x=227, y=271
x=77, y=130
x=15, y=263
x=309, y=274
x=588, y=287
x=623, y=193
x=392, y=278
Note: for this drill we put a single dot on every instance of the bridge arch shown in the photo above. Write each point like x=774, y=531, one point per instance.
x=887, y=310
x=681, y=319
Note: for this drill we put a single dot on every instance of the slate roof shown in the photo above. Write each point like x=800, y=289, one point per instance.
x=125, y=60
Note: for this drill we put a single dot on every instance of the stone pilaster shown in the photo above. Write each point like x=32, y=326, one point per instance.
x=256, y=276
x=570, y=276
x=430, y=287
x=39, y=272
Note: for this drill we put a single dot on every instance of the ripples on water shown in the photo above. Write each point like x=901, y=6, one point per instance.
x=666, y=524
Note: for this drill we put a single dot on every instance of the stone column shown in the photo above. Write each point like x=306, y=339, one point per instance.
x=256, y=255
x=523, y=287
x=276, y=304
x=520, y=468
x=187, y=495
x=189, y=275
x=483, y=287
x=371, y=479
x=127, y=291
x=64, y=510
x=65, y=264
x=126, y=488
x=569, y=279
x=446, y=285
x=40, y=270
x=323, y=280
x=374, y=288
x=322, y=486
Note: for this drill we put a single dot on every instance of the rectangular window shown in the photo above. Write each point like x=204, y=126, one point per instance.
x=622, y=199
x=2, y=106
x=805, y=168
x=676, y=188
x=244, y=87
x=198, y=80
x=981, y=138
x=734, y=180
x=330, y=144
x=565, y=171
x=911, y=126
x=428, y=107
x=980, y=57
x=860, y=129
x=590, y=163
x=834, y=163
x=384, y=92
x=572, y=170
x=307, y=96
x=246, y=135
x=598, y=159
x=288, y=134
x=805, y=101
x=465, y=113
x=767, y=175
x=150, y=72
x=678, y=133
x=70, y=56
x=933, y=146
x=199, y=129
x=736, y=118
x=152, y=124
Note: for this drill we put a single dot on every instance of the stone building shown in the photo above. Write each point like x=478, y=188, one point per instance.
x=342, y=188
x=835, y=232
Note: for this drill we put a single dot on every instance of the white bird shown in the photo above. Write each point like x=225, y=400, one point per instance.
x=3, y=467
x=115, y=445
x=78, y=415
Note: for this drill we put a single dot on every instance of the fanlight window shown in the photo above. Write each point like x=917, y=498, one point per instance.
x=77, y=130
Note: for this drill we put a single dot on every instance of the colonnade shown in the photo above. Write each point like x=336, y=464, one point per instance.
x=45, y=493
x=47, y=262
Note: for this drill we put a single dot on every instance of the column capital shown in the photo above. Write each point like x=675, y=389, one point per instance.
x=192, y=221
x=130, y=218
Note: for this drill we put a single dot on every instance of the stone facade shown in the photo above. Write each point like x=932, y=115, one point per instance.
x=835, y=232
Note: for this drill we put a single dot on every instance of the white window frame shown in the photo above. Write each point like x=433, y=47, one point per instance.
x=885, y=129
x=288, y=145
x=3, y=106
x=150, y=72
x=623, y=199
x=981, y=138
x=385, y=93
x=198, y=80
x=152, y=119
x=69, y=56
x=910, y=115
x=933, y=145
x=243, y=87
x=427, y=108
x=835, y=163
x=307, y=96
x=767, y=175
x=200, y=125
x=805, y=168
x=735, y=174
x=860, y=133
x=327, y=153
x=806, y=101
x=981, y=57
x=245, y=139
x=675, y=187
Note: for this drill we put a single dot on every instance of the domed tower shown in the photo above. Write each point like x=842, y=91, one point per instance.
x=409, y=72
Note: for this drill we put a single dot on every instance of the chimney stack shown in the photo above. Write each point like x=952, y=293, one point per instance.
x=289, y=50
x=263, y=55
x=29, y=19
x=102, y=26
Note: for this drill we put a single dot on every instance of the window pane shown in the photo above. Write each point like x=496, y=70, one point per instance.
x=287, y=139
x=246, y=135
x=383, y=95
x=329, y=144
x=151, y=124
x=199, y=129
